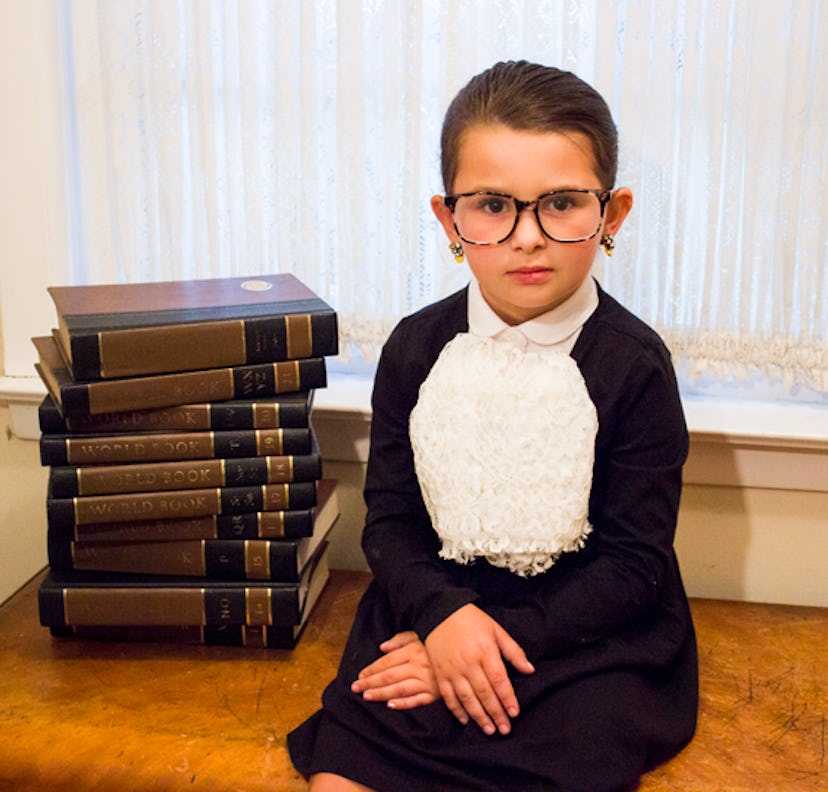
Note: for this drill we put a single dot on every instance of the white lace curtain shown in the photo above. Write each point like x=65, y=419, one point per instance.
x=251, y=136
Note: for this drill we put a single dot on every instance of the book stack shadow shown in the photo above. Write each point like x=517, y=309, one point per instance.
x=186, y=500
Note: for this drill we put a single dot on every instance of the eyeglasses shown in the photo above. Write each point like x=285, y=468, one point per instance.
x=489, y=218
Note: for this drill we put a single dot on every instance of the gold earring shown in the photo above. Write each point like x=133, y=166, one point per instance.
x=457, y=251
x=609, y=243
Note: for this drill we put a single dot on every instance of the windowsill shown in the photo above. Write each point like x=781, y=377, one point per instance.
x=740, y=444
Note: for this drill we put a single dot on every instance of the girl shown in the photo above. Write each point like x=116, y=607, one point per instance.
x=526, y=627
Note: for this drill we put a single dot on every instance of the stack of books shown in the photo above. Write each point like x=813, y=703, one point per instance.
x=186, y=500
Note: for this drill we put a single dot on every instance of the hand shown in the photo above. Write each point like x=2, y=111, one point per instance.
x=467, y=651
x=403, y=677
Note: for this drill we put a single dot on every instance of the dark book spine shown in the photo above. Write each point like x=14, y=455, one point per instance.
x=261, y=637
x=131, y=352
x=216, y=559
x=122, y=604
x=62, y=513
x=70, y=482
x=291, y=524
x=190, y=387
x=291, y=411
x=85, y=450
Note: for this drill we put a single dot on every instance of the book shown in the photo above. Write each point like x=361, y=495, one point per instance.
x=260, y=636
x=64, y=513
x=67, y=481
x=113, y=331
x=168, y=390
x=284, y=524
x=67, y=599
x=245, y=559
x=290, y=410
x=96, y=449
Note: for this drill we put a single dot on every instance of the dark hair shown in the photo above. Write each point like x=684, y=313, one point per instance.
x=531, y=97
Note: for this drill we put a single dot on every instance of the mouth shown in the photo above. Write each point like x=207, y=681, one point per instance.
x=530, y=274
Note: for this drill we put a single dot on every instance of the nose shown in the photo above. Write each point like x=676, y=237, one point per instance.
x=528, y=232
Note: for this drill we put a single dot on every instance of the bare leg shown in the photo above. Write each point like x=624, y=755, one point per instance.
x=330, y=782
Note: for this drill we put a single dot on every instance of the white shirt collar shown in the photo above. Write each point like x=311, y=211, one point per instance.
x=556, y=329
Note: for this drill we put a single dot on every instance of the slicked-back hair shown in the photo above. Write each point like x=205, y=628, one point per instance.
x=532, y=98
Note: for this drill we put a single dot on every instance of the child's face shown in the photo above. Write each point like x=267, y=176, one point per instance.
x=528, y=273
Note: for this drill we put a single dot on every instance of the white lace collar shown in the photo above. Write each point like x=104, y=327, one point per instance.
x=503, y=444
x=558, y=328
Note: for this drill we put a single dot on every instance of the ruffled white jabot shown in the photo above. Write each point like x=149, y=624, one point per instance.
x=503, y=444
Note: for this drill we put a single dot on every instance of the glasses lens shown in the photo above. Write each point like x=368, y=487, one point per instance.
x=569, y=216
x=565, y=215
x=484, y=218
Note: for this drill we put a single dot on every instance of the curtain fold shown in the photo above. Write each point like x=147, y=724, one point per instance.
x=224, y=137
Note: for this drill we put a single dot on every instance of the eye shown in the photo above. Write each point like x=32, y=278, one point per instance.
x=492, y=204
x=559, y=203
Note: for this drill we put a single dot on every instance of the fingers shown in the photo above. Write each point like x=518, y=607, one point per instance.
x=403, y=677
x=400, y=649
x=513, y=652
x=399, y=640
x=469, y=651
x=488, y=699
x=403, y=694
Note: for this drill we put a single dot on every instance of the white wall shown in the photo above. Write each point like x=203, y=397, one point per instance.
x=745, y=543
x=754, y=521
x=32, y=203
x=22, y=509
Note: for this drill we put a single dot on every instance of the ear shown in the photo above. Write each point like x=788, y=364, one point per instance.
x=617, y=210
x=443, y=214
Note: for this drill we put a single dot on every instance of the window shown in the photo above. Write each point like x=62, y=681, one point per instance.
x=244, y=137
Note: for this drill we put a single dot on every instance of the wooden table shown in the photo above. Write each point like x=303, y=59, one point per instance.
x=84, y=715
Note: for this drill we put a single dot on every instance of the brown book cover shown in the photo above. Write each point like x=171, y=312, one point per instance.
x=246, y=559
x=96, y=449
x=70, y=481
x=258, y=637
x=168, y=390
x=289, y=410
x=281, y=524
x=63, y=513
x=121, y=330
x=73, y=598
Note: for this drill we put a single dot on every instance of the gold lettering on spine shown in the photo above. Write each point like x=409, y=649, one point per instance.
x=65, y=600
x=257, y=607
x=286, y=376
x=255, y=637
x=299, y=336
x=242, y=340
x=279, y=469
x=271, y=525
x=265, y=416
x=256, y=559
x=269, y=442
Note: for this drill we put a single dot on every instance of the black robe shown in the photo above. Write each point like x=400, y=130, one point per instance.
x=608, y=628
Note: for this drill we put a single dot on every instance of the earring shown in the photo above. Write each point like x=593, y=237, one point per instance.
x=457, y=251
x=608, y=241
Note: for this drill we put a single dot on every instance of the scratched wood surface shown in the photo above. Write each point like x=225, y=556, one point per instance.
x=111, y=716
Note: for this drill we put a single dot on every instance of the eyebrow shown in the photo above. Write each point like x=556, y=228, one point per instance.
x=512, y=195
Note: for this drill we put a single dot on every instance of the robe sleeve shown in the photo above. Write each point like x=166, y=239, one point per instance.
x=627, y=569
x=399, y=542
